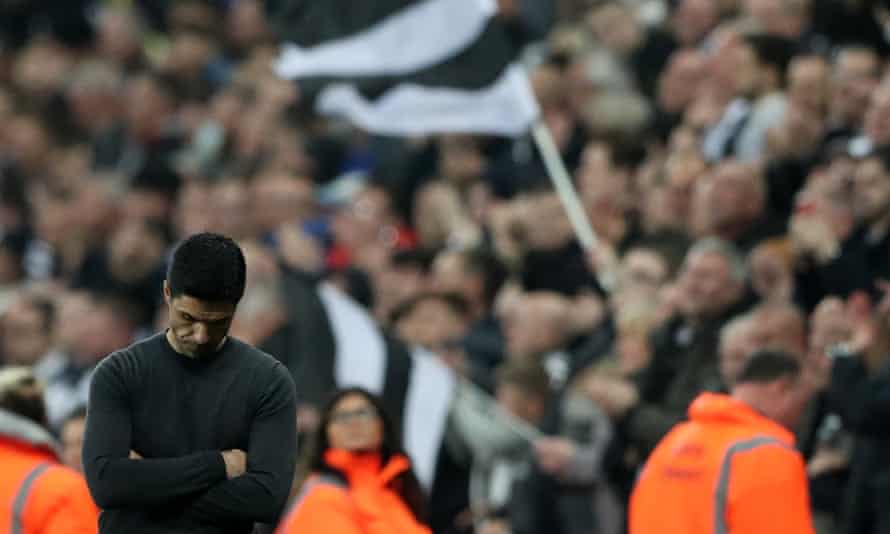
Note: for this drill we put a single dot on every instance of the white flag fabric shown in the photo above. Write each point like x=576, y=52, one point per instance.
x=420, y=386
x=407, y=67
x=381, y=48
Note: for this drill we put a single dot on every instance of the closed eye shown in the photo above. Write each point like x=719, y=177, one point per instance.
x=192, y=319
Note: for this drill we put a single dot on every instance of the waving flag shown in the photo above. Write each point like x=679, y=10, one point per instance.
x=406, y=67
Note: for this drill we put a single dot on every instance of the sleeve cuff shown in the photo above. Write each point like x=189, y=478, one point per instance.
x=217, y=464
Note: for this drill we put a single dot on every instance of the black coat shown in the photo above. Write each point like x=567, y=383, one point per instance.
x=858, y=267
x=684, y=364
x=863, y=402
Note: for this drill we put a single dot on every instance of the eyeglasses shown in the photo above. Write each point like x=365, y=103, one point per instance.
x=362, y=415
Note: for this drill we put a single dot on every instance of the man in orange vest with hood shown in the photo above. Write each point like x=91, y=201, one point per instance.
x=38, y=495
x=732, y=468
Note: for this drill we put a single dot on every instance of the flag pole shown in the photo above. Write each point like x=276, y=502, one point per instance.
x=562, y=182
x=489, y=404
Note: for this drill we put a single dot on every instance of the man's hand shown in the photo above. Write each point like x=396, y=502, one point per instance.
x=494, y=526
x=135, y=455
x=813, y=235
x=555, y=454
x=829, y=326
x=817, y=372
x=588, y=312
x=236, y=462
x=827, y=460
x=671, y=300
x=861, y=316
x=616, y=396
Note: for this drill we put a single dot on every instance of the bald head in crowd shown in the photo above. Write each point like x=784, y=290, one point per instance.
x=537, y=323
x=770, y=326
x=737, y=199
x=780, y=326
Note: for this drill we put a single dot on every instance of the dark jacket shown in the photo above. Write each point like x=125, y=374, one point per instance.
x=684, y=364
x=864, y=404
x=858, y=266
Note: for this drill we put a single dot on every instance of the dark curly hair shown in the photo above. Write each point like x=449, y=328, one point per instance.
x=208, y=267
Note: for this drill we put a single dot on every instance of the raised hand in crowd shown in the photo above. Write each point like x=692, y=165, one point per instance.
x=616, y=396
x=555, y=454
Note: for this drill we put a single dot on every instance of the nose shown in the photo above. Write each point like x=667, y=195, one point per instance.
x=199, y=333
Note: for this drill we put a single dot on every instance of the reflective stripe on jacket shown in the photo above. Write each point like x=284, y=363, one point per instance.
x=37, y=495
x=729, y=470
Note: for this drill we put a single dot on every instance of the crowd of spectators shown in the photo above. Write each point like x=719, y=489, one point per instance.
x=733, y=157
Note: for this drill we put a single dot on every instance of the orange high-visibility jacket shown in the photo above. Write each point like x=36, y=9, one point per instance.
x=366, y=506
x=37, y=494
x=728, y=470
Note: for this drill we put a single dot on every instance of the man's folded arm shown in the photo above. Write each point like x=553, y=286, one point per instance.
x=114, y=479
x=260, y=494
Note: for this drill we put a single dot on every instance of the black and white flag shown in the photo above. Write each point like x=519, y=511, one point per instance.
x=406, y=67
x=342, y=345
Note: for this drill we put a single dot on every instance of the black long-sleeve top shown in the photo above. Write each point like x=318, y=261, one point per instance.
x=862, y=400
x=179, y=413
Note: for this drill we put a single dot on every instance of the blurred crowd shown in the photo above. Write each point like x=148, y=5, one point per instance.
x=733, y=157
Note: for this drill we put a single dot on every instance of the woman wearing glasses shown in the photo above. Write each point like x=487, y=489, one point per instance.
x=360, y=481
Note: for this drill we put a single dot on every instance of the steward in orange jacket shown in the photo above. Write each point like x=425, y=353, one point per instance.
x=38, y=495
x=732, y=469
x=366, y=503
